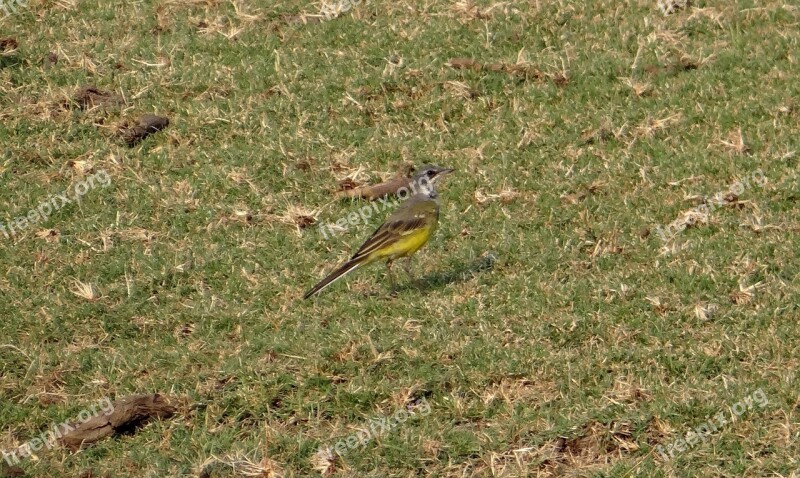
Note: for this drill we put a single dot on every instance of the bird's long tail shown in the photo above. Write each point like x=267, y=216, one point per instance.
x=333, y=276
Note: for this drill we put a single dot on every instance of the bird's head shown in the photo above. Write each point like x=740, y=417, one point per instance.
x=427, y=176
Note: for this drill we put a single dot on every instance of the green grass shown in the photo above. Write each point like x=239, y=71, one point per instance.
x=554, y=333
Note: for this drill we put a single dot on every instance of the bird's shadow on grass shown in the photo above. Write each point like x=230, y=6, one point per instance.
x=461, y=273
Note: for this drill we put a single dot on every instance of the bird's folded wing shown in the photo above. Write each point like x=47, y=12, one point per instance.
x=389, y=233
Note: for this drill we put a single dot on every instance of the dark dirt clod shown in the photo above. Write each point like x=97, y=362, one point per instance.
x=561, y=80
x=148, y=124
x=347, y=184
x=304, y=221
x=51, y=59
x=687, y=64
x=8, y=44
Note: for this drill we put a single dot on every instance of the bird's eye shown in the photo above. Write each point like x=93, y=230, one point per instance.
x=430, y=173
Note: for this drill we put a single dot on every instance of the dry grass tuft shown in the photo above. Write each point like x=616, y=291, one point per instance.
x=85, y=290
x=241, y=465
x=735, y=142
x=505, y=196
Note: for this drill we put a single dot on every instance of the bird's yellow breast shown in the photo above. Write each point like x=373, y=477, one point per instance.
x=405, y=245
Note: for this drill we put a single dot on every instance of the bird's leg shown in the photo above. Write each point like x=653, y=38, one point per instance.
x=410, y=273
x=391, y=276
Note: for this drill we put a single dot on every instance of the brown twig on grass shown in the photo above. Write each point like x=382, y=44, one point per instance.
x=128, y=413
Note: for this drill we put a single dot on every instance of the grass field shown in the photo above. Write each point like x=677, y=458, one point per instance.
x=553, y=331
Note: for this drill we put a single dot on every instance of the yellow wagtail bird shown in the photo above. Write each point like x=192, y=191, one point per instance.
x=403, y=234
